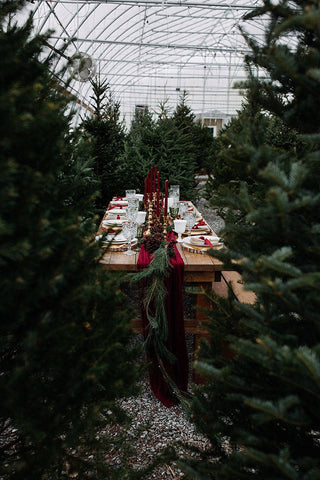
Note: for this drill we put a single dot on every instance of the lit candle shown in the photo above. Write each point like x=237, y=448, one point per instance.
x=166, y=198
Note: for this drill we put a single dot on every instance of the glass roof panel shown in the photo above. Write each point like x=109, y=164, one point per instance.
x=151, y=51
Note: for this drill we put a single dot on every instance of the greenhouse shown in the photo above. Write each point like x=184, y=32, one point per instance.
x=150, y=52
x=160, y=240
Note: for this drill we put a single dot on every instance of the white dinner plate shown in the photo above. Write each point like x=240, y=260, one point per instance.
x=200, y=242
x=119, y=202
x=117, y=211
x=112, y=221
x=119, y=238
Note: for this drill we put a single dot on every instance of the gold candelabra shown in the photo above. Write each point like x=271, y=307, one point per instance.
x=148, y=232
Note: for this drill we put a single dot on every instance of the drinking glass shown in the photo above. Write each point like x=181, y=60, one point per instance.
x=130, y=193
x=133, y=202
x=174, y=192
x=174, y=212
x=183, y=208
x=179, y=228
x=190, y=218
x=129, y=230
x=141, y=217
x=131, y=213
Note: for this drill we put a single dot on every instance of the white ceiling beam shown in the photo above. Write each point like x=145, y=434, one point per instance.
x=158, y=45
x=165, y=4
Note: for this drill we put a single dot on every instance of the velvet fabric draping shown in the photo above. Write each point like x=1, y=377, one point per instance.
x=176, y=343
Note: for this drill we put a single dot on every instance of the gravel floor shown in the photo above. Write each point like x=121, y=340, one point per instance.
x=155, y=426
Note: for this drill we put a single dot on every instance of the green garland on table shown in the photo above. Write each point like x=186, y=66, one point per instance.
x=153, y=280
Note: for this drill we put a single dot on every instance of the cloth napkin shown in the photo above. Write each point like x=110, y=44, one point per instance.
x=175, y=342
x=199, y=225
x=206, y=241
x=115, y=206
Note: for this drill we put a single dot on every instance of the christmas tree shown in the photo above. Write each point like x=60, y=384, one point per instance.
x=260, y=407
x=106, y=133
x=164, y=141
x=138, y=155
x=64, y=355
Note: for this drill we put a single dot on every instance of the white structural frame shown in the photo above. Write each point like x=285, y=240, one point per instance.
x=150, y=52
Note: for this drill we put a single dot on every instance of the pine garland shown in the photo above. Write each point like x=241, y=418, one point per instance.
x=152, y=280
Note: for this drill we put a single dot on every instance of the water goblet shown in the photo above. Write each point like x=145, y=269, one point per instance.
x=133, y=202
x=190, y=217
x=174, y=192
x=179, y=228
x=131, y=213
x=130, y=193
x=129, y=230
x=174, y=212
x=183, y=208
x=141, y=217
x=140, y=197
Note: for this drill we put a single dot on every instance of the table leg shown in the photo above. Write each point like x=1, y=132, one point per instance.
x=204, y=303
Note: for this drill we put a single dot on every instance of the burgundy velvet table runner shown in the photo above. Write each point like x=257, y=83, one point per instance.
x=176, y=343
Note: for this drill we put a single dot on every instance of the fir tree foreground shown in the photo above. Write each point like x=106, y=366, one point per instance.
x=64, y=355
x=261, y=406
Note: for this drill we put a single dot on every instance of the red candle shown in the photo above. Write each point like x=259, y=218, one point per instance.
x=166, y=198
x=158, y=180
x=158, y=206
x=154, y=178
x=151, y=180
x=145, y=191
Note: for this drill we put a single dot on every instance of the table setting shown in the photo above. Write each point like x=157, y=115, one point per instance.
x=119, y=227
x=146, y=228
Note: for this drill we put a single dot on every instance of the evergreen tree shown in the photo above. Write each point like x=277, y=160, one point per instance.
x=183, y=116
x=157, y=142
x=175, y=156
x=77, y=176
x=107, y=134
x=139, y=154
x=64, y=355
x=200, y=138
x=205, y=145
x=260, y=408
x=242, y=149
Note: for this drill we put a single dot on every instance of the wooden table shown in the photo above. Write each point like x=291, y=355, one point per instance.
x=200, y=270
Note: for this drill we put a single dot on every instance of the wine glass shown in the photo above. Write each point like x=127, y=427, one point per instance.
x=133, y=202
x=183, y=208
x=131, y=213
x=130, y=193
x=141, y=217
x=179, y=228
x=174, y=192
x=129, y=230
x=174, y=212
x=190, y=218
